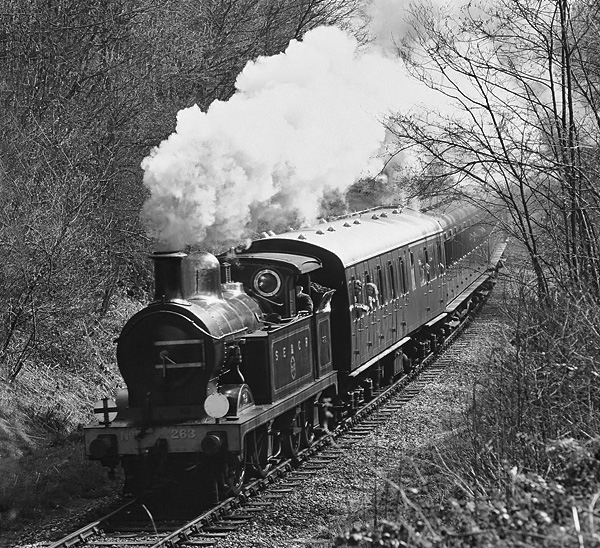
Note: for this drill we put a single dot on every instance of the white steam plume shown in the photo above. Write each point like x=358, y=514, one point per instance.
x=300, y=122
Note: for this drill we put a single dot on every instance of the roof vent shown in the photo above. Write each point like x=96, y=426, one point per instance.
x=331, y=229
x=320, y=232
x=374, y=216
x=347, y=224
x=264, y=235
x=384, y=215
x=395, y=212
x=356, y=222
x=302, y=236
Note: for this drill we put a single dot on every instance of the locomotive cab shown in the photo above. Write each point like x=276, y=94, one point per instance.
x=271, y=279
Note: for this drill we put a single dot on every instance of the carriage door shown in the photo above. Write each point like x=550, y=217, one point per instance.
x=393, y=327
x=425, y=281
x=418, y=286
x=360, y=317
x=435, y=280
x=442, y=271
x=404, y=306
x=374, y=296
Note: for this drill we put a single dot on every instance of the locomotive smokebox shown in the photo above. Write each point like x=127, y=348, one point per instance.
x=168, y=284
x=202, y=276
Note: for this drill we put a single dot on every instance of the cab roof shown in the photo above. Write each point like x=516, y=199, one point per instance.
x=299, y=264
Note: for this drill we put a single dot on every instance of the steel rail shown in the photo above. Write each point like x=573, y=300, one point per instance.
x=88, y=530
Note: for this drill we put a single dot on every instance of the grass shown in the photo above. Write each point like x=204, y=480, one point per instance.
x=43, y=471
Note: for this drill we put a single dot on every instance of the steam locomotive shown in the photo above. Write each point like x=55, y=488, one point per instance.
x=225, y=373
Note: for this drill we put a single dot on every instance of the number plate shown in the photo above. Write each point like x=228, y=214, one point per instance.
x=183, y=433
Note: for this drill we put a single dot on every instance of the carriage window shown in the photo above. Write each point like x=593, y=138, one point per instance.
x=449, y=256
x=383, y=294
x=472, y=238
x=356, y=290
x=458, y=246
x=438, y=259
x=412, y=271
x=371, y=291
x=432, y=261
x=423, y=266
x=392, y=279
x=402, y=272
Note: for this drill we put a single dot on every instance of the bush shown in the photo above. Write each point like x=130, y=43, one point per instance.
x=543, y=383
x=525, y=509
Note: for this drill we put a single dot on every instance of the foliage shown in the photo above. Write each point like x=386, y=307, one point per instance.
x=367, y=193
x=41, y=413
x=531, y=512
x=396, y=189
x=55, y=477
x=66, y=163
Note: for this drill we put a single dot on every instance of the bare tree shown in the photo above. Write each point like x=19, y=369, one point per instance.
x=86, y=88
x=199, y=48
x=524, y=124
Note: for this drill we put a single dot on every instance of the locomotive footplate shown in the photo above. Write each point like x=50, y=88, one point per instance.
x=126, y=436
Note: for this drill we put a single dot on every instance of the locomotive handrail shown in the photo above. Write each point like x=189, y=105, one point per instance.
x=287, y=321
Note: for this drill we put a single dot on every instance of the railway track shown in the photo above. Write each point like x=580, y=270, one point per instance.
x=133, y=525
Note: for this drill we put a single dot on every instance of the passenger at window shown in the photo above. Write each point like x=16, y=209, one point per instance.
x=359, y=307
x=304, y=304
x=425, y=271
x=372, y=296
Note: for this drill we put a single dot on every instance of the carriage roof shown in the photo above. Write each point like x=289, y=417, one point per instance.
x=354, y=238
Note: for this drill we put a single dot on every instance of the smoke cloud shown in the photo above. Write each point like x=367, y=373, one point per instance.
x=300, y=123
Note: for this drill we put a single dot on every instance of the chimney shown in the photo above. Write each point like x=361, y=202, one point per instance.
x=167, y=276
